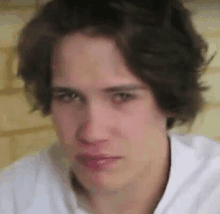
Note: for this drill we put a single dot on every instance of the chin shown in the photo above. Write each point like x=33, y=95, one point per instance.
x=99, y=182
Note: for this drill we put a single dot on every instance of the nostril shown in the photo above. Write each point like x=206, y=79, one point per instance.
x=84, y=142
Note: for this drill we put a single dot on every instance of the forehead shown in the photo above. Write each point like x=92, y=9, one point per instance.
x=90, y=62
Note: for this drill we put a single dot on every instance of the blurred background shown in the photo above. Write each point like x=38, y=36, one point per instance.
x=22, y=133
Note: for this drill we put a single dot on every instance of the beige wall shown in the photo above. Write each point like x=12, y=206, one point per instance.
x=22, y=133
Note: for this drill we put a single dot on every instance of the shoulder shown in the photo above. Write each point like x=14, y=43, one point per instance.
x=195, y=157
x=20, y=181
x=199, y=145
x=32, y=165
x=18, y=178
x=194, y=185
x=17, y=171
x=27, y=167
x=38, y=183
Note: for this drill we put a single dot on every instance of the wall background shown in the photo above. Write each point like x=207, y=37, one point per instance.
x=22, y=133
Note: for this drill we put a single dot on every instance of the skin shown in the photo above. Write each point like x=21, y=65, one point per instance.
x=101, y=121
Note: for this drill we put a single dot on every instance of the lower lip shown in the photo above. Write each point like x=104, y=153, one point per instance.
x=98, y=164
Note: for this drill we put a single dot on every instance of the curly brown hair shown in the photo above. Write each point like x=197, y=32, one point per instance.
x=157, y=40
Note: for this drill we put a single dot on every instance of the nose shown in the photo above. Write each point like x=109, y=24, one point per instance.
x=94, y=128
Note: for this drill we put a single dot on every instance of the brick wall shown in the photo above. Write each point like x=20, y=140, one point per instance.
x=22, y=133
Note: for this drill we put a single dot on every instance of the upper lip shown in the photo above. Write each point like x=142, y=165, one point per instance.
x=97, y=157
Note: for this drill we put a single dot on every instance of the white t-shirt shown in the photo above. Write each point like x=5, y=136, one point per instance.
x=40, y=184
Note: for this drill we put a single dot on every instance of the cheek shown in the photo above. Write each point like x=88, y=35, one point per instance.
x=154, y=118
x=65, y=123
x=143, y=126
x=134, y=125
x=140, y=120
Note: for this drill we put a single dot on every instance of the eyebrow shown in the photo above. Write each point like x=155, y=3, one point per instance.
x=120, y=88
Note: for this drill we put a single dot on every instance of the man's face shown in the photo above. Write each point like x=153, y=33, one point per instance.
x=95, y=121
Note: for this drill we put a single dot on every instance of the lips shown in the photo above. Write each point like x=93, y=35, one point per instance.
x=98, y=162
x=96, y=157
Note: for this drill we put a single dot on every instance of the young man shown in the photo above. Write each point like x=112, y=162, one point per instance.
x=115, y=77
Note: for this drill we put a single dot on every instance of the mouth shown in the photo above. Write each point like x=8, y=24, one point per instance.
x=98, y=162
x=96, y=157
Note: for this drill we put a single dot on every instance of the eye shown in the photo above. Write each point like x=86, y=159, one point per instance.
x=65, y=97
x=124, y=97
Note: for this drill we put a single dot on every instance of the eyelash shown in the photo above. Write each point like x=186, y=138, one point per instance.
x=62, y=97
